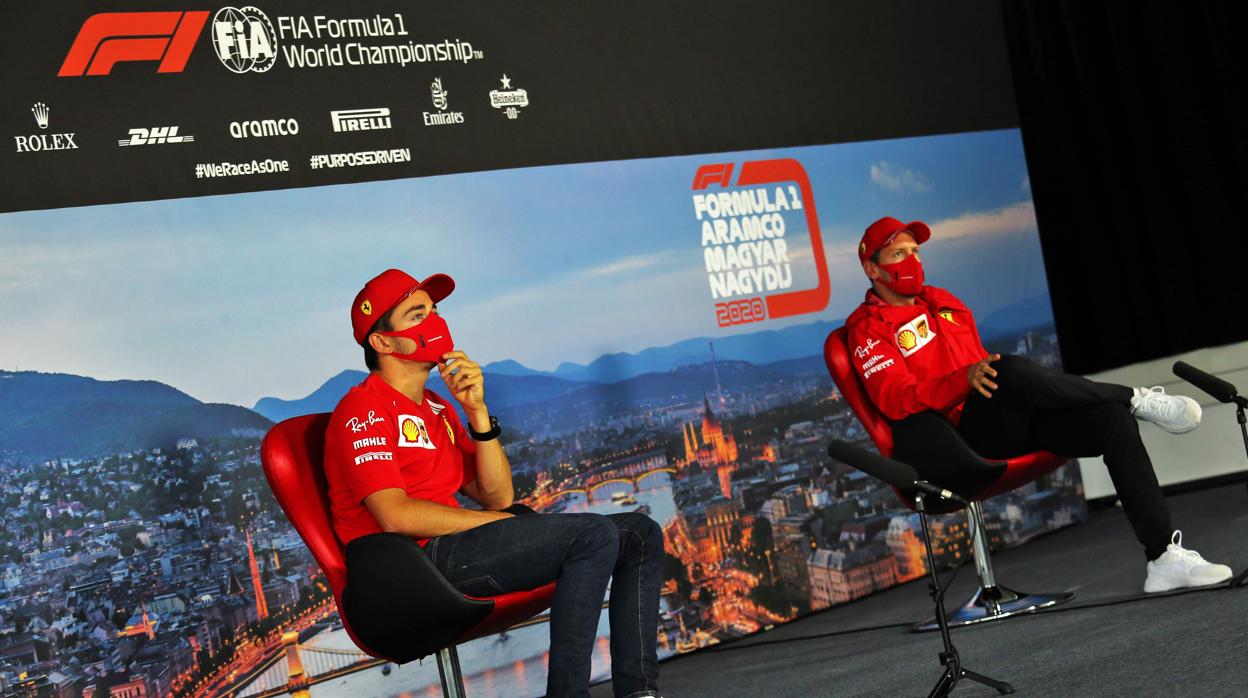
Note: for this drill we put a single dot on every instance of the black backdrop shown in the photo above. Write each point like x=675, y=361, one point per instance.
x=1135, y=142
x=605, y=81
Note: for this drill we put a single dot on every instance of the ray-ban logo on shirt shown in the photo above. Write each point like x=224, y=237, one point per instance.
x=357, y=425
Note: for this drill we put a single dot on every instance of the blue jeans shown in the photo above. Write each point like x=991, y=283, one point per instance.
x=581, y=552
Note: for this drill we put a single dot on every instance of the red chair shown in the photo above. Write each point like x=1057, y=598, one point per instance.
x=399, y=607
x=931, y=445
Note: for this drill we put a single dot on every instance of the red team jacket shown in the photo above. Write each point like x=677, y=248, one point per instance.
x=378, y=438
x=914, y=358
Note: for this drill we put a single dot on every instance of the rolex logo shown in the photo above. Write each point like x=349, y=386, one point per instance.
x=39, y=142
x=40, y=110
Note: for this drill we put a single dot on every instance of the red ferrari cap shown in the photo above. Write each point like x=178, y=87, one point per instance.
x=385, y=290
x=882, y=232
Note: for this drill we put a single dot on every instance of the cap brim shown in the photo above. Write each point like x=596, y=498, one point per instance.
x=438, y=286
x=918, y=230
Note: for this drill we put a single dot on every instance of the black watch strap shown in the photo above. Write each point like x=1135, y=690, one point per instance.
x=493, y=433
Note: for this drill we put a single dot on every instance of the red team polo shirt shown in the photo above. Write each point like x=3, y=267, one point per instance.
x=378, y=439
x=913, y=358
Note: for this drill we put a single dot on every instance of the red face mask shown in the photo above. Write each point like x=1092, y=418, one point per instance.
x=904, y=277
x=432, y=337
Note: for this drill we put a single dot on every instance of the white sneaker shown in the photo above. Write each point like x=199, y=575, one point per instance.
x=1179, y=567
x=1174, y=413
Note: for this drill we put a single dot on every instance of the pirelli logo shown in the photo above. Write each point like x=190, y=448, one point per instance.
x=372, y=456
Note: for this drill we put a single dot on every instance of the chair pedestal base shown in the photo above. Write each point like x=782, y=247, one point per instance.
x=995, y=603
x=449, y=672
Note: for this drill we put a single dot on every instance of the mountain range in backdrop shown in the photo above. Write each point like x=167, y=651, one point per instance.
x=45, y=415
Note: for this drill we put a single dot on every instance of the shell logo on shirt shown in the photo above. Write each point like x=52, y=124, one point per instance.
x=413, y=433
x=914, y=335
x=905, y=339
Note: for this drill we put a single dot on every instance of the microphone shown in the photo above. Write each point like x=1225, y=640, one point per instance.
x=1220, y=390
x=893, y=472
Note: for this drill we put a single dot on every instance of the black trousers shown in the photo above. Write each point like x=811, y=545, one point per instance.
x=1037, y=408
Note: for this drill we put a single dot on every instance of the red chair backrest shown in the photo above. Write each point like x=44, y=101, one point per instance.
x=293, y=455
x=836, y=353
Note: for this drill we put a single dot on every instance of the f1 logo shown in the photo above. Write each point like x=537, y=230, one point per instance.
x=108, y=38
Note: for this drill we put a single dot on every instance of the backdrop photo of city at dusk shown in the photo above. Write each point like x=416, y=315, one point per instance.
x=651, y=333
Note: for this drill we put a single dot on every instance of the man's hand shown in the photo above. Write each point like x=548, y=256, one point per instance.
x=492, y=516
x=466, y=383
x=978, y=375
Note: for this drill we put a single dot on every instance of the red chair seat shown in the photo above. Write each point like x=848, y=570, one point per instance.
x=292, y=454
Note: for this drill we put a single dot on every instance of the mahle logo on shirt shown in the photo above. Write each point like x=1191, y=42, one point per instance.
x=413, y=433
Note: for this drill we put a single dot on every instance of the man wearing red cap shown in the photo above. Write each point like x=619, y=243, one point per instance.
x=916, y=349
x=396, y=455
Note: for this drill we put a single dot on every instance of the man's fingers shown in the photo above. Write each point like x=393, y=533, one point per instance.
x=990, y=371
x=990, y=384
x=983, y=392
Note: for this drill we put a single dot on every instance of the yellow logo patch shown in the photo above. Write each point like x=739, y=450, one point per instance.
x=412, y=432
x=449, y=431
x=947, y=314
x=915, y=335
x=906, y=340
x=366, y=308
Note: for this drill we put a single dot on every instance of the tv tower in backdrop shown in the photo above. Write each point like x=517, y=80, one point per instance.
x=262, y=606
x=719, y=391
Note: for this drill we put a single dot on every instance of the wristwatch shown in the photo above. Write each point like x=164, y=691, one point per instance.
x=493, y=433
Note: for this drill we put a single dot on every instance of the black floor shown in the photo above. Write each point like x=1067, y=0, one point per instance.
x=1179, y=644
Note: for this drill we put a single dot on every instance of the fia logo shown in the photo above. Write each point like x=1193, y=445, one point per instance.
x=244, y=39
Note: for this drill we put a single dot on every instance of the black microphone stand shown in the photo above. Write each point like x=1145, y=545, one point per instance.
x=1241, y=579
x=1222, y=391
x=1240, y=403
x=954, y=671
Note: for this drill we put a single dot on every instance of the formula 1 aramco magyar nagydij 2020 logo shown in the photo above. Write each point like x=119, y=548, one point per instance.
x=747, y=254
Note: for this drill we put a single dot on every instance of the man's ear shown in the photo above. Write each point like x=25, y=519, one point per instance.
x=380, y=343
x=871, y=271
